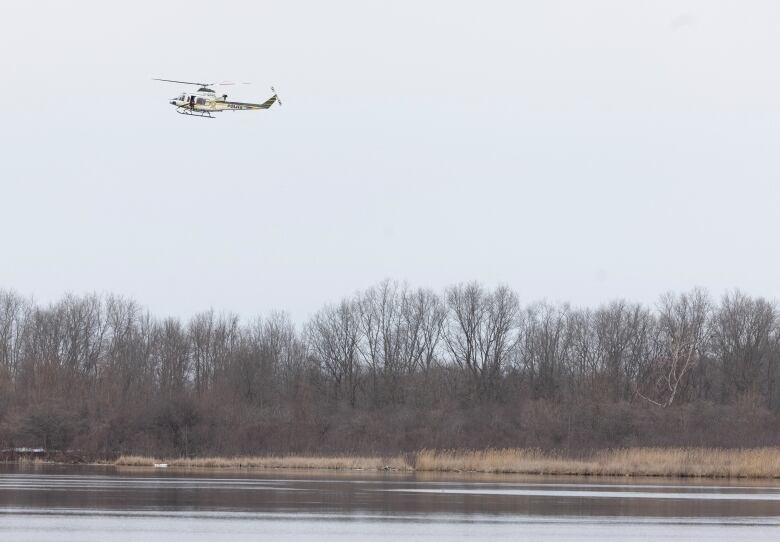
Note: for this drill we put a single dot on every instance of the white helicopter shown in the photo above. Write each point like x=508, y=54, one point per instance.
x=204, y=101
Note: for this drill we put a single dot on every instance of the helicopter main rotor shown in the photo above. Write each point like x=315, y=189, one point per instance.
x=184, y=82
x=202, y=85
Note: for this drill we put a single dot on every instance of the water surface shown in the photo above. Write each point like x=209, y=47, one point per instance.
x=47, y=502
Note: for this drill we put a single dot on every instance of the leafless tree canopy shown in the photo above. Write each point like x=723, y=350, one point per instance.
x=388, y=369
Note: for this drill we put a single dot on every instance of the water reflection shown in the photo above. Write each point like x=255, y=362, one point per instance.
x=40, y=500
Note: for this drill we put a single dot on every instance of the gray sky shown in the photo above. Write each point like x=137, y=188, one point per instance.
x=575, y=151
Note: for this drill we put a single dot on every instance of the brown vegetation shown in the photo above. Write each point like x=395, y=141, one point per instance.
x=671, y=462
x=271, y=462
x=667, y=462
x=388, y=371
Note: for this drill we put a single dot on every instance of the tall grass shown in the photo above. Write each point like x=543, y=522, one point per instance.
x=273, y=462
x=672, y=462
x=677, y=462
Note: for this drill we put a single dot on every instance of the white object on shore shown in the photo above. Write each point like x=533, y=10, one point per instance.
x=161, y=465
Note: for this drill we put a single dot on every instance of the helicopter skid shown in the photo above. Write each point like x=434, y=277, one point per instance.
x=194, y=112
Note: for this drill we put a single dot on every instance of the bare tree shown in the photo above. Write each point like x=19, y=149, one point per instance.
x=417, y=367
x=380, y=339
x=84, y=327
x=14, y=310
x=424, y=316
x=624, y=335
x=333, y=335
x=201, y=332
x=270, y=361
x=544, y=342
x=481, y=332
x=400, y=331
x=742, y=334
x=682, y=321
x=171, y=356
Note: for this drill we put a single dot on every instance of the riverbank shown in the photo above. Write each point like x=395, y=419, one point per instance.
x=666, y=462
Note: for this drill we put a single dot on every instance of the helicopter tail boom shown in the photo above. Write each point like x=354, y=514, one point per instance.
x=239, y=106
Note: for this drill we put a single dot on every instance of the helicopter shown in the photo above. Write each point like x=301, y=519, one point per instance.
x=204, y=101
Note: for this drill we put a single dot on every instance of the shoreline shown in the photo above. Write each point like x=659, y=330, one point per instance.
x=753, y=463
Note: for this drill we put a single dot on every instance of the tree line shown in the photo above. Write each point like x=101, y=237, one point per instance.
x=390, y=369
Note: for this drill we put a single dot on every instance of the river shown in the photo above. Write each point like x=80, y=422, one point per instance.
x=88, y=503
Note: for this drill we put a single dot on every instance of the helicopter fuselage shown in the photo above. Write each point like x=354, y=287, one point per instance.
x=206, y=100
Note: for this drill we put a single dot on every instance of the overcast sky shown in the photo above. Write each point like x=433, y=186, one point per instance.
x=577, y=151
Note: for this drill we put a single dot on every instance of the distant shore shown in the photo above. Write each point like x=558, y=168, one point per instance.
x=659, y=462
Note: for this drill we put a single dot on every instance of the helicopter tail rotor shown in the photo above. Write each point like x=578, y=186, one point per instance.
x=276, y=95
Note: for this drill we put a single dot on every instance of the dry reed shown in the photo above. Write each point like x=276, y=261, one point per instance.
x=674, y=462
x=273, y=462
x=671, y=462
